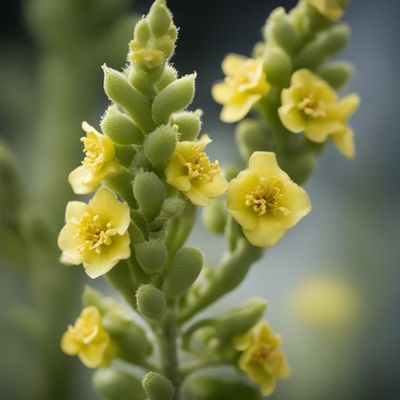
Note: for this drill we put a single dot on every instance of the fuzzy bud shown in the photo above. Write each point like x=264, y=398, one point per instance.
x=160, y=145
x=174, y=97
x=119, y=128
x=157, y=387
x=151, y=255
x=151, y=302
x=169, y=75
x=336, y=73
x=214, y=216
x=188, y=123
x=114, y=384
x=159, y=18
x=119, y=90
x=184, y=270
x=149, y=192
x=277, y=66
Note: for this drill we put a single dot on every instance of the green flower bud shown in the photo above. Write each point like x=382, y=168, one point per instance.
x=252, y=136
x=169, y=75
x=157, y=387
x=124, y=154
x=241, y=319
x=280, y=31
x=326, y=43
x=184, y=270
x=159, y=18
x=141, y=162
x=142, y=31
x=149, y=193
x=173, y=206
x=121, y=278
x=151, y=255
x=336, y=73
x=214, y=216
x=208, y=386
x=188, y=124
x=160, y=145
x=114, y=384
x=174, y=97
x=119, y=128
x=151, y=302
x=119, y=90
x=277, y=66
x=130, y=339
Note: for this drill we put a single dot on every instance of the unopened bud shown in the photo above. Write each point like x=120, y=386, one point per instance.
x=157, y=387
x=214, y=216
x=160, y=145
x=151, y=302
x=188, y=124
x=151, y=255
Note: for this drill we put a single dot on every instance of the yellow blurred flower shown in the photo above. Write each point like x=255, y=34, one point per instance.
x=98, y=163
x=311, y=106
x=262, y=359
x=95, y=234
x=332, y=9
x=265, y=201
x=191, y=172
x=325, y=302
x=245, y=84
x=89, y=340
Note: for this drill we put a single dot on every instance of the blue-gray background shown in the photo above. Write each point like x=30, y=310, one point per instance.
x=352, y=234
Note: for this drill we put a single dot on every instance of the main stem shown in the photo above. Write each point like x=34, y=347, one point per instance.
x=168, y=347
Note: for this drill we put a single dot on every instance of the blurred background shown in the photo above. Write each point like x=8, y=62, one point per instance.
x=332, y=283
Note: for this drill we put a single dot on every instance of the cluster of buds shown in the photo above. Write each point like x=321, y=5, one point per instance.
x=149, y=171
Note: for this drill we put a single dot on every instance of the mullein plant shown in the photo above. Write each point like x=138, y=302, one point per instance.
x=148, y=170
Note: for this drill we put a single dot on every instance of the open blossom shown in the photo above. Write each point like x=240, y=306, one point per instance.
x=192, y=173
x=245, y=84
x=262, y=359
x=98, y=163
x=332, y=9
x=96, y=234
x=265, y=201
x=89, y=340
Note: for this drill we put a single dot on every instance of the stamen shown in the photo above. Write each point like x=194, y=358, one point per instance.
x=312, y=106
x=200, y=166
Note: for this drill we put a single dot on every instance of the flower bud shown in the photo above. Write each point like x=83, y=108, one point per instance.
x=280, y=30
x=151, y=255
x=160, y=145
x=159, y=18
x=149, y=192
x=184, y=270
x=141, y=162
x=142, y=31
x=326, y=43
x=121, y=279
x=119, y=128
x=119, y=90
x=124, y=154
x=151, y=302
x=173, y=206
x=336, y=73
x=174, y=97
x=130, y=339
x=114, y=384
x=188, y=123
x=277, y=66
x=169, y=75
x=240, y=319
x=157, y=387
x=214, y=216
x=208, y=385
x=252, y=136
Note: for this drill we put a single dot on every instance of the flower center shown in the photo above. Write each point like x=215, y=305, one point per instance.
x=265, y=199
x=84, y=333
x=92, y=234
x=200, y=166
x=312, y=106
x=93, y=153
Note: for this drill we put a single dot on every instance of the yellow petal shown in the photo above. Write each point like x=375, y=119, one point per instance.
x=106, y=205
x=297, y=201
x=317, y=130
x=82, y=180
x=292, y=119
x=232, y=64
x=243, y=184
x=69, y=344
x=222, y=93
x=344, y=142
x=97, y=264
x=69, y=243
x=238, y=109
x=268, y=231
x=75, y=210
x=264, y=164
x=348, y=105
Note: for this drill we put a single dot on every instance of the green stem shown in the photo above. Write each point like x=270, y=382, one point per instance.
x=168, y=348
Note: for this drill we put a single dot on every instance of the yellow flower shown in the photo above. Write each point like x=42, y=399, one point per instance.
x=89, y=340
x=332, y=9
x=245, y=84
x=99, y=161
x=95, y=234
x=311, y=106
x=151, y=57
x=265, y=201
x=261, y=358
x=191, y=172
